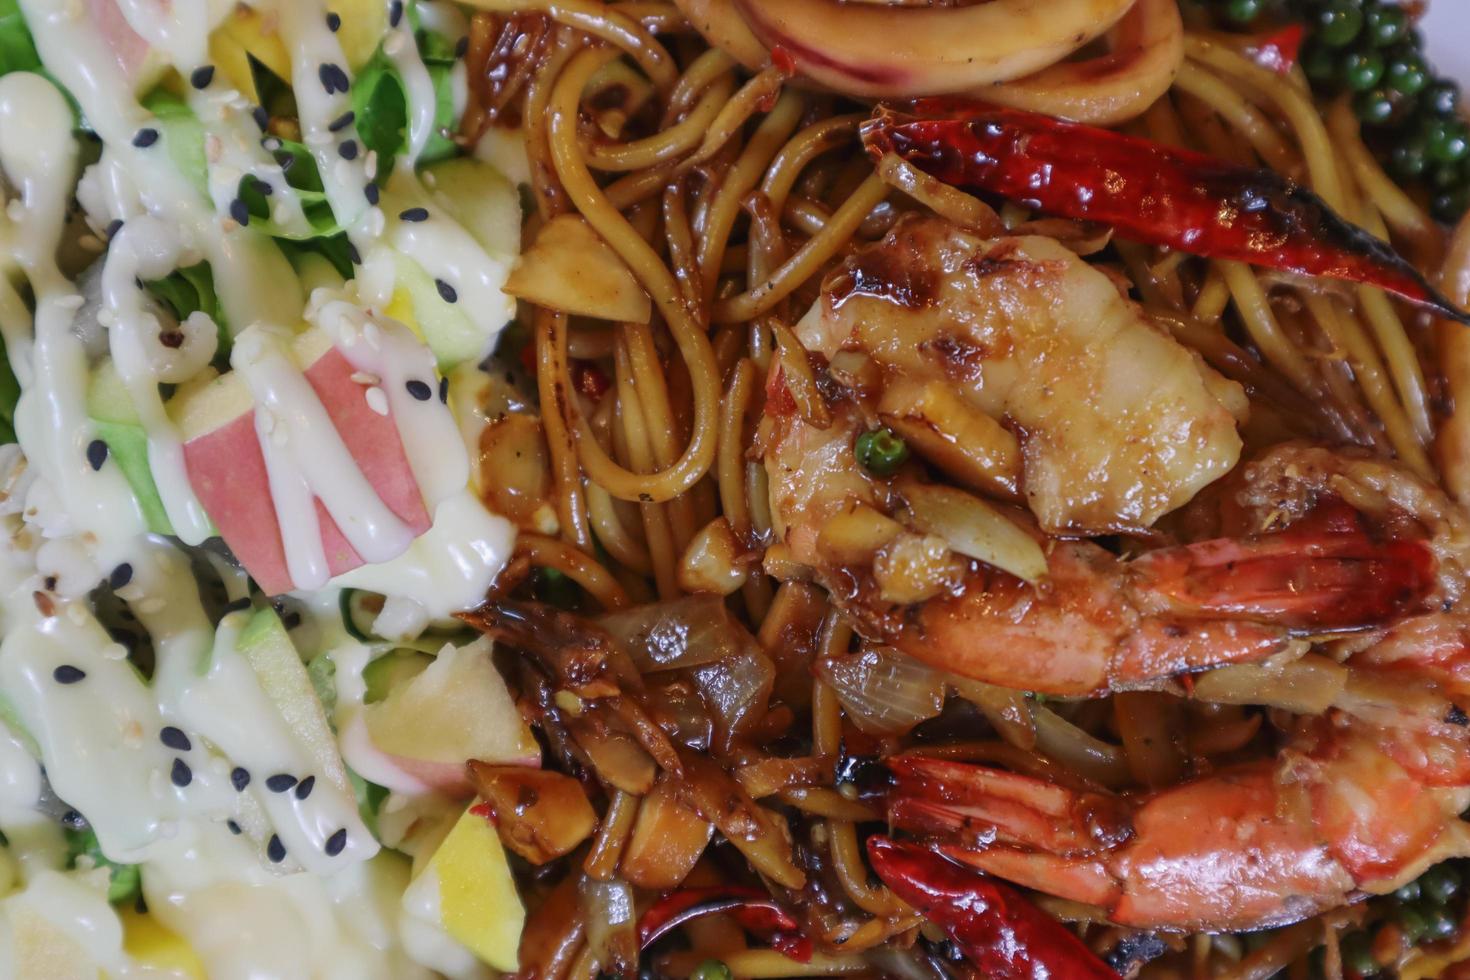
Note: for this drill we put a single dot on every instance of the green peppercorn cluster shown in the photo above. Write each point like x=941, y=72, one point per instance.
x=1369, y=49
x=1429, y=909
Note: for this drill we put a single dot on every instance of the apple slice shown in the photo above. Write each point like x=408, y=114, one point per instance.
x=227, y=469
x=455, y=709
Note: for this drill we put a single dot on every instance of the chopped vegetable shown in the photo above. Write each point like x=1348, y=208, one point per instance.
x=17, y=50
x=881, y=452
x=380, y=108
x=126, y=880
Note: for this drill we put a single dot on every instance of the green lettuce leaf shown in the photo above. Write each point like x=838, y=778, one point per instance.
x=17, y=50
x=191, y=290
x=380, y=106
x=126, y=879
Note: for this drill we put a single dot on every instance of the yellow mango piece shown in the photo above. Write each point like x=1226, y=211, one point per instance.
x=243, y=33
x=477, y=896
x=153, y=944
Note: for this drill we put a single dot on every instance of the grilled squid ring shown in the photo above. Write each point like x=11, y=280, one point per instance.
x=1145, y=53
x=899, y=52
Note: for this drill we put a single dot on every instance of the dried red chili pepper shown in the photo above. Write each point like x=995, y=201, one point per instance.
x=755, y=910
x=1280, y=49
x=1147, y=191
x=1002, y=934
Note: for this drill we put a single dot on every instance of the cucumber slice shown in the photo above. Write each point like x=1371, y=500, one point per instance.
x=116, y=423
x=481, y=199
x=392, y=670
x=359, y=609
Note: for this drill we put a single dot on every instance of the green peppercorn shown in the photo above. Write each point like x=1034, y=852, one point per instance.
x=1445, y=176
x=1413, y=923
x=1407, y=73
x=1449, y=206
x=1440, y=924
x=1357, y=954
x=1408, y=159
x=1446, y=141
x=711, y=970
x=1374, y=107
x=1440, y=883
x=1440, y=98
x=1338, y=23
x=1243, y=11
x=1320, y=62
x=1384, y=26
x=1362, y=70
x=881, y=452
x=1409, y=893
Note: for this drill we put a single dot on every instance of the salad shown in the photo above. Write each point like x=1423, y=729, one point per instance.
x=250, y=281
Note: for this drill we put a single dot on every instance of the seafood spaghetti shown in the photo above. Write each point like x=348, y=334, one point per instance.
x=733, y=488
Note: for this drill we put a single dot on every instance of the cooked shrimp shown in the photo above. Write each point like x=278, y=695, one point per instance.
x=1110, y=422
x=1325, y=543
x=1344, y=809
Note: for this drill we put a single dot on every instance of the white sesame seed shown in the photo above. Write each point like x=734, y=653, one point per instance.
x=72, y=302
x=214, y=148
x=105, y=317
x=114, y=651
x=394, y=44
x=365, y=377
x=377, y=400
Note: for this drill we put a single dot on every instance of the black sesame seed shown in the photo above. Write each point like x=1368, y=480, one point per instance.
x=145, y=137
x=262, y=185
x=240, y=212
x=49, y=582
x=414, y=214
x=239, y=778
x=419, y=390
x=280, y=782
x=291, y=620
x=201, y=77
x=1457, y=716
x=287, y=163
x=446, y=291
x=395, y=13
x=73, y=820
x=371, y=193
x=181, y=775
x=461, y=47
x=304, y=788
x=333, y=78
x=121, y=576
x=234, y=827
x=333, y=22
x=353, y=255
x=336, y=843
x=175, y=738
x=261, y=117
x=67, y=674
x=113, y=227
x=342, y=121
x=241, y=603
x=444, y=390
x=348, y=150
x=96, y=453
x=275, y=850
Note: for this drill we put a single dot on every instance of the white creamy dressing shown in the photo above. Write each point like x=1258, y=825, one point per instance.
x=68, y=524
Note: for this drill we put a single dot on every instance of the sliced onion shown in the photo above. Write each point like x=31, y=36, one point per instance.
x=612, y=926
x=883, y=691
x=1307, y=686
x=736, y=689
x=688, y=632
x=972, y=527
